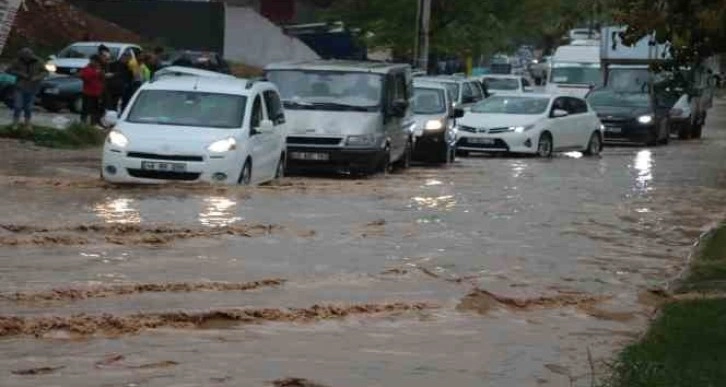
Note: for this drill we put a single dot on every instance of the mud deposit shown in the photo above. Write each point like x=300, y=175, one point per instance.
x=84, y=325
x=493, y=271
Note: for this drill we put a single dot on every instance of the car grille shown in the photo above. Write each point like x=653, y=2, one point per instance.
x=497, y=145
x=314, y=140
x=66, y=70
x=153, y=156
x=163, y=175
x=467, y=129
x=500, y=130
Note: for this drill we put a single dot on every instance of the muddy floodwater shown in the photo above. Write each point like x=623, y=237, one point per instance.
x=495, y=271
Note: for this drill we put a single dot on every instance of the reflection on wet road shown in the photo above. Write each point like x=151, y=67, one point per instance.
x=562, y=251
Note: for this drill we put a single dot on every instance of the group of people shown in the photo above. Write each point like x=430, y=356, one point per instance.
x=109, y=84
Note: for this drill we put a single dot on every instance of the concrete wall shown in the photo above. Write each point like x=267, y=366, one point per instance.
x=254, y=40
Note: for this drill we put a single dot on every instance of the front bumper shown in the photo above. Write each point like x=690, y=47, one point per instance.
x=627, y=131
x=337, y=157
x=525, y=142
x=57, y=100
x=120, y=166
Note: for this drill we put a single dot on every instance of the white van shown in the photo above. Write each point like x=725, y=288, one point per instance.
x=350, y=116
x=575, y=69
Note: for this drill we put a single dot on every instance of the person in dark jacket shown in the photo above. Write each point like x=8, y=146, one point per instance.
x=119, y=80
x=30, y=72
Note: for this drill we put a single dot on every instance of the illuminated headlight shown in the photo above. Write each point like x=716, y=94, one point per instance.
x=222, y=146
x=364, y=140
x=602, y=127
x=117, y=138
x=434, y=125
x=520, y=129
x=50, y=67
x=645, y=119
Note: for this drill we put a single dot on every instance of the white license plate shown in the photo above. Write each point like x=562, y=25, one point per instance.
x=612, y=129
x=163, y=167
x=484, y=141
x=310, y=156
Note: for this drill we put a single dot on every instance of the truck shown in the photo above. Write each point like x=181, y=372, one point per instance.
x=575, y=68
x=687, y=92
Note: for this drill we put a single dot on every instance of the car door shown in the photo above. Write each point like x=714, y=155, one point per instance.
x=259, y=142
x=397, y=127
x=468, y=98
x=561, y=127
x=276, y=114
x=582, y=125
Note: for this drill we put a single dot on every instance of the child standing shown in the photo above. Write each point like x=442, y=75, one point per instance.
x=93, y=79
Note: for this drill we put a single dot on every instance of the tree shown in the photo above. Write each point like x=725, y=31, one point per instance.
x=695, y=29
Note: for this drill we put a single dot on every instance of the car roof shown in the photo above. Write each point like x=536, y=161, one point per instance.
x=190, y=71
x=425, y=83
x=107, y=44
x=222, y=85
x=339, y=65
x=501, y=76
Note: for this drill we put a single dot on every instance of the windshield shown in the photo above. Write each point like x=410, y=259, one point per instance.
x=512, y=105
x=577, y=74
x=184, y=108
x=629, y=79
x=502, y=83
x=80, y=51
x=328, y=90
x=428, y=101
x=619, y=99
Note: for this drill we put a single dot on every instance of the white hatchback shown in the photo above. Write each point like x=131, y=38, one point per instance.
x=530, y=123
x=219, y=130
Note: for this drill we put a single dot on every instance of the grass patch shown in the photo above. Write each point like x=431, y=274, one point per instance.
x=75, y=136
x=686, y=345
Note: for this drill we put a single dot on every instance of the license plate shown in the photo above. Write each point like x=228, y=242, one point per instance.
x=163, y=167
x=484, y=141
x=310, y=156
x=612, y=129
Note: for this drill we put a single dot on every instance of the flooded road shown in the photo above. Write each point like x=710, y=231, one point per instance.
x=495, y=271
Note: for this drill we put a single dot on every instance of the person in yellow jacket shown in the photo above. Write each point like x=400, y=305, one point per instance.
x=144, y=69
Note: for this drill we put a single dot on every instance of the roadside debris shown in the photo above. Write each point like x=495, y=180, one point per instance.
x=38, y=370
x=482, y=301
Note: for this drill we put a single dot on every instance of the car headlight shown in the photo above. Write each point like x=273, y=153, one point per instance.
x=647, y=119
x=117, y=138
x=222, y=146
x=51, y=67
x=434, y=125
x=520, y=129
x=364, y=140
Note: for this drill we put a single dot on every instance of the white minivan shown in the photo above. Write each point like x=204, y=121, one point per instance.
x=575, y=69
x=218, y=130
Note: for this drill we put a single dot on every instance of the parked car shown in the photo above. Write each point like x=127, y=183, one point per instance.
x=631, y=116
x=216, y=130
x=466, y=92
x=530, y=123
x=7, y=88
x=205, y=60
x=506, y=83
x=75, y=57
x=346, y=115
x=59, y=92
x=435, y=115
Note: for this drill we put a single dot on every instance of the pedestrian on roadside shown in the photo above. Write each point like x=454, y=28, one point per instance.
x=156, y=59
x=29, y=71
x=93, y=80
x=118, y=81
x=144, y=61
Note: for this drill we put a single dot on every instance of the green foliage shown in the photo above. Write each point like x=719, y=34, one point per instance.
x=76, y=135
x=695, y=28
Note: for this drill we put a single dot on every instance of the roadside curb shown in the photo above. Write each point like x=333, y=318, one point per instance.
x=696, y=249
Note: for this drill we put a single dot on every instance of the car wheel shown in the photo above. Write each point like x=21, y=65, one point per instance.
x=280, y=171
x=594, y=146
x=544, y=145
x=405, y=161
x=653, y=138
x=76, y=106
x=684, y=132
x=245, y=177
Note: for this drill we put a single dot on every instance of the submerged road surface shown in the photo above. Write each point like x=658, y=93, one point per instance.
x=495, y=271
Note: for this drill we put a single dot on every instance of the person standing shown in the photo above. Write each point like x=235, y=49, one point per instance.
x=119, y=80
x=93, y=79
x=30, y=72
x=145, y=61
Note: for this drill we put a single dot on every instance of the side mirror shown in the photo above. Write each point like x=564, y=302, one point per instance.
x=398, y=108
x=558, y=113
x=266, y=126
x=110, y=119
x=457, y=113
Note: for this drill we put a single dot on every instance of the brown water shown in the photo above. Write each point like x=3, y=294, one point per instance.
x=349, y=282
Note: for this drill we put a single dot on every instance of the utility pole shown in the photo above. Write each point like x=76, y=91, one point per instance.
x=422, y=38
